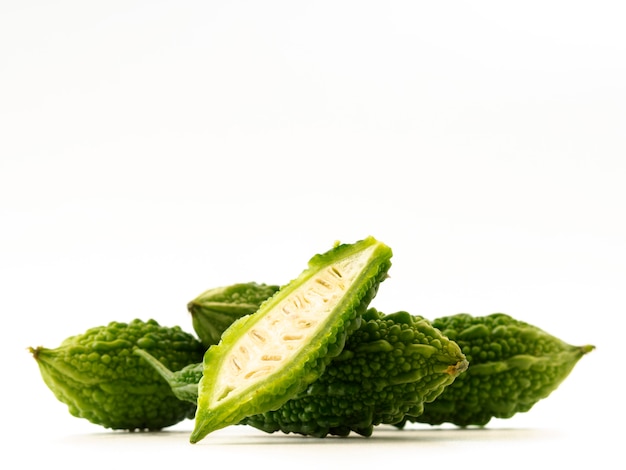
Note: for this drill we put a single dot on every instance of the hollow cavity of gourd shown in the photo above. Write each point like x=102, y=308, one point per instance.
x=282, y=332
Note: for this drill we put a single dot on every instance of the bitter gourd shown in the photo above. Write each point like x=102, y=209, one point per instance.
x=512, y=365
x=466, y=329
x=390, y=366
x=265, y=358
x=216, y=309
x=388, y=369
x=99, y=378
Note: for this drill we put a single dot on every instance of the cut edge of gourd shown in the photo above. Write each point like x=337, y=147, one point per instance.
x=284, y=330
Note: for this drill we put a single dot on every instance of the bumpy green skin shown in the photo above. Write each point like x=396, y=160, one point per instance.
x=310, y=361
x=388, y=368
x=216, y=309
x=512, y=365
x=99, y=378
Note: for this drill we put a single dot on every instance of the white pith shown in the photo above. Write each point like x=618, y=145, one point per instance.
x=282, y=332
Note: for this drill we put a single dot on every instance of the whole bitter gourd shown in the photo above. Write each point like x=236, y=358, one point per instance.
x=266, y=358
x=99, y=378
x=216, y=309
x=390, y=366
x=512, y=365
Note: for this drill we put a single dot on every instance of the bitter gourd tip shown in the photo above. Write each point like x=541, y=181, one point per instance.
x=587, y=348
x=265, y=358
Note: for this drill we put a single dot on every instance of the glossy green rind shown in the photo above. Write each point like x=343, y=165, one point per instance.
x=216, y=309
x=99, y=378
x=266, y=358
x=512, y=365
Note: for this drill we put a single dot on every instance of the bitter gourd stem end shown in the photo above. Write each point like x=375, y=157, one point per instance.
x=587, y=348
x=458, y=368
x=34, y=351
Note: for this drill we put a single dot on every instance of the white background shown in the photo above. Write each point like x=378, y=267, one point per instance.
x=151, y=150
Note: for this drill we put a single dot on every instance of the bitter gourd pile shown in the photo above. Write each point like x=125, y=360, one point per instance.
x=310, y=357
x=266, y=358
x=390, y=366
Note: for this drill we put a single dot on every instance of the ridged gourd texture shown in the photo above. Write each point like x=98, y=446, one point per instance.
x=99, y=378
x=512, y=365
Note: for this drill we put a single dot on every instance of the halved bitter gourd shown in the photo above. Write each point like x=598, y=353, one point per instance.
x=266, y=358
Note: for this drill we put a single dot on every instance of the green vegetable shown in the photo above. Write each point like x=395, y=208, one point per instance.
x=266, y=358
x=513, y=365
x=99, y=378
x=216, y=309
x=390, y=366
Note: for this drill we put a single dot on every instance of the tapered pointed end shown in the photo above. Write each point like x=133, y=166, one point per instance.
x=587, y=348
x=205, y=423
x=34, y=351
x=197, y=435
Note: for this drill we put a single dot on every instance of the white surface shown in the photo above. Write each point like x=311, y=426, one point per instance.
x=151, y=150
